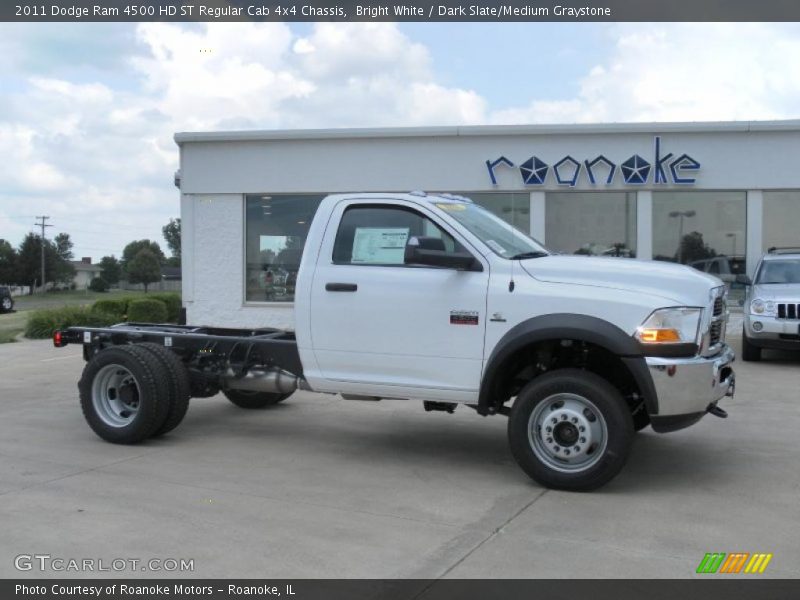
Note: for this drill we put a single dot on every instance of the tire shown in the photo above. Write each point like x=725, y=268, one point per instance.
x=254, y=400
x=6, y=304
x=566, y=395
x=123, y=394
x=179, y=387
x=750, y=353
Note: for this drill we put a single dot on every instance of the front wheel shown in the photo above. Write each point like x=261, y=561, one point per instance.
x=570, y=430
x=6, y=304
x=254, y=400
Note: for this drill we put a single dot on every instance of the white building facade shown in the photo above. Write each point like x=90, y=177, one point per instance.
x=711, y=195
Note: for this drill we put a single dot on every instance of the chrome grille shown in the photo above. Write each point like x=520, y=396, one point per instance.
x=719, y=306
x=714, y=335
x=715, y=332
x=788, y=310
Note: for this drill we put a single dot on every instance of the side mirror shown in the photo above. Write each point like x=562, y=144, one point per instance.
x=743, y=279
x=422, y=250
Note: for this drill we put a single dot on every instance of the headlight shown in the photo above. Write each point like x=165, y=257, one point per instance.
x=762, y=307
x=671, y=326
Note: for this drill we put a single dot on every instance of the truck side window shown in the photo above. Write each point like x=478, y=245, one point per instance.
x=377, y=235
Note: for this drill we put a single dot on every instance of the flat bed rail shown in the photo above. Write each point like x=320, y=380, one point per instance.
x=240, y=348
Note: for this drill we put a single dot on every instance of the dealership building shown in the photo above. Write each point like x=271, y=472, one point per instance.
x=712, y=195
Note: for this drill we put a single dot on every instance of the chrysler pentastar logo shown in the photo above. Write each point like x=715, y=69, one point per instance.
x=600, y=170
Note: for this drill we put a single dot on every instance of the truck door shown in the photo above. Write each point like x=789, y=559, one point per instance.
x=381, y=327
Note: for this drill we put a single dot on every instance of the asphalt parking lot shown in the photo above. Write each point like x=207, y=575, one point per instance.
x=323, y=487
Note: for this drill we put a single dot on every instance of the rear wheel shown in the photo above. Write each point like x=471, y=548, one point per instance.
x=122, y=394
x=251, y=400
x=750, y=353
x=179, y=388
x=570, y=430
x=6, y=304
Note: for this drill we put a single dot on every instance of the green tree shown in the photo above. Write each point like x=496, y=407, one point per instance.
x=29, y=256
x=8, y=263
x=172, y=235
x=132, y=249
x=144, y=268
x=63, y=271
x=112, y=271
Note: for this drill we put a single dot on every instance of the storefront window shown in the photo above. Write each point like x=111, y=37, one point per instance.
x=781, y=219
x=277, y=227
x=513, y=208
x=705, y=230
x=591, y=223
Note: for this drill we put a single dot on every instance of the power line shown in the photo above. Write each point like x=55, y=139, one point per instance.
x=43, y=224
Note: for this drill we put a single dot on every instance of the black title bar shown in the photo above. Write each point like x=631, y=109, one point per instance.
x=709, y=588
x=383, y=10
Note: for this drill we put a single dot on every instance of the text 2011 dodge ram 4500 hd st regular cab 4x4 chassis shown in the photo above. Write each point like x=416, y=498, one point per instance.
x=431, y=297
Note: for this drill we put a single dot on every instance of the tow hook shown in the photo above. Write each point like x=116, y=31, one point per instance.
x=717, y=411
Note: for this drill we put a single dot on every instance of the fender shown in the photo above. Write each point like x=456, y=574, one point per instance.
x=574, y=327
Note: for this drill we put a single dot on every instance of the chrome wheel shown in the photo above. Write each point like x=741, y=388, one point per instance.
x=6, y=303
x=567, y=432
x=115, y=395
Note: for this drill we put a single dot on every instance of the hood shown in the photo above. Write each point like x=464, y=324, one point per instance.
x=680, y=284
x=777, y=291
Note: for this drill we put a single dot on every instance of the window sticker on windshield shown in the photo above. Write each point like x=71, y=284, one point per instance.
x=495, y=246
x=379, y=245
x=451, y=206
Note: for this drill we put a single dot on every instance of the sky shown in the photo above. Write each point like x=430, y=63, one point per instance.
x=88, y=111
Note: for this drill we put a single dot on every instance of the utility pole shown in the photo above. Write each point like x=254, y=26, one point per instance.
x=43, y=224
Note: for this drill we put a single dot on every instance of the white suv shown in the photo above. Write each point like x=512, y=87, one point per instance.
x=772, y=304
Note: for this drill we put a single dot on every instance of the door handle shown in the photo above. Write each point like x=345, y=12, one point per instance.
x=341, y=287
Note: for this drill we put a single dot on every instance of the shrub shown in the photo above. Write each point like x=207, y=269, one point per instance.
x=117, y=307
x=173, y=302
x=98, y=284
x=42, y=323
x=147, y=310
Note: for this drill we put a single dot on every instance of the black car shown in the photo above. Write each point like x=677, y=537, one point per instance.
x=6, y=301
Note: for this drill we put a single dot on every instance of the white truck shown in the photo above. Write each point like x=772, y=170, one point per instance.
x=432, y=297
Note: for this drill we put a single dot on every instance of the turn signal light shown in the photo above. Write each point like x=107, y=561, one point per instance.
x=660, y=336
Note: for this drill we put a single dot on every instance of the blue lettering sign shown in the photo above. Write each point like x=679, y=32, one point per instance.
x=635, y=170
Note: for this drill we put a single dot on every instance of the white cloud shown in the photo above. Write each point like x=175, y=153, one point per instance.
x=684, y=72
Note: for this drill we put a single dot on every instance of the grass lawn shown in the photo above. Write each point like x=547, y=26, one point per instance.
x=12, y=324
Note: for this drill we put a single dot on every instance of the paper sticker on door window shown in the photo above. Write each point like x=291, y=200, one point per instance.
x=379, y=245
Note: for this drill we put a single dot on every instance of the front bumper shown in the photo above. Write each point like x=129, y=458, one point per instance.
x=686, y=387
x=775, y=333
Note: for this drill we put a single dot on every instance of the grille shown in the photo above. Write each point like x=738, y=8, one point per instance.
x=715, y=332
x=719, y=306
x=788, y=311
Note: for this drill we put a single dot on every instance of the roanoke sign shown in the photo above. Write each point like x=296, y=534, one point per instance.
x=662, y=169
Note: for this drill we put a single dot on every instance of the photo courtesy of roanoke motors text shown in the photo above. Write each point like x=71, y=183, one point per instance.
x=399, y=301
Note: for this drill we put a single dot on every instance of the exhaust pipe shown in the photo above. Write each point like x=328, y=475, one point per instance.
x=273, y=381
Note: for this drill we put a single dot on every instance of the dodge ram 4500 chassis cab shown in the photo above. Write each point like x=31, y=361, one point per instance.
x=431, y=297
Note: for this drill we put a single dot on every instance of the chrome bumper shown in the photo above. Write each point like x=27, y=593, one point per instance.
x=687, y=386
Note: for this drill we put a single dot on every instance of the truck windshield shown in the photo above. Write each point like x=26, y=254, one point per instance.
x=780, y=271
x=502, y=238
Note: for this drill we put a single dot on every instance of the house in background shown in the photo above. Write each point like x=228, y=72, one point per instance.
x=85, y=271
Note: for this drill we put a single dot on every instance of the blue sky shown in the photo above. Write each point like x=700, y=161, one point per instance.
x=88, y=111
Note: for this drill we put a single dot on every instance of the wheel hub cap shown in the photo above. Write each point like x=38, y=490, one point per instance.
x=567, y=432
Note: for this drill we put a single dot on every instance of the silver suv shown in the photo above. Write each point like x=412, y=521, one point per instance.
x=772, y=304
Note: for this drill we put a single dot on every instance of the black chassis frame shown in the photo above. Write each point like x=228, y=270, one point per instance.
x=208, y=352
